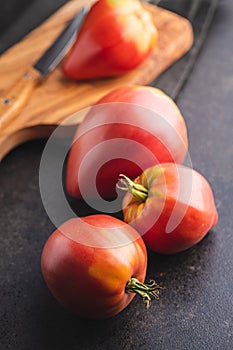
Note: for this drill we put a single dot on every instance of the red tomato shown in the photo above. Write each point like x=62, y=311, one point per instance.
x=127, y=131
x=95, y=265
x=117, y=35
x=171, y=206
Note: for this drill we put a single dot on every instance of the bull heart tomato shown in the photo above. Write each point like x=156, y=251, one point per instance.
x=127, y=131
x=116, y=36
x=171, y=206
x=95, y=265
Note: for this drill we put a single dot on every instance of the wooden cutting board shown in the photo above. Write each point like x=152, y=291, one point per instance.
x=57, y=98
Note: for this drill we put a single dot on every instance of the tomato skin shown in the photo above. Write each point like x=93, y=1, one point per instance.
x=116, y=36
x=117, y=117
x=88, y=280
x=195, y=211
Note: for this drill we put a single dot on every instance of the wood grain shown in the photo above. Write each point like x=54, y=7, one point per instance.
x=14, y=100
x=57, y=98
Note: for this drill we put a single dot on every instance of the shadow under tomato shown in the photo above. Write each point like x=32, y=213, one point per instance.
x=55, y=328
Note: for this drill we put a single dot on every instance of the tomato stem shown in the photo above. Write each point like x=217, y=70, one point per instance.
x=145, y=290
x=140, y=192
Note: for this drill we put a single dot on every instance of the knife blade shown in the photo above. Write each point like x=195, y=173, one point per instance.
x=14, y=100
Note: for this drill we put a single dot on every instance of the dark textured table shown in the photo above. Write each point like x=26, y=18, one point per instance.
x=195, y=309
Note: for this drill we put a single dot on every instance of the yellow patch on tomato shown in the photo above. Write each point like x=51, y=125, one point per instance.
x=110, y=277
x=117, y=3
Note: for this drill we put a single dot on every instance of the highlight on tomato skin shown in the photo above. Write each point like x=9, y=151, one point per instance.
x=116, y=37
x=173, y=208
x=141, y=124
x=94, y=266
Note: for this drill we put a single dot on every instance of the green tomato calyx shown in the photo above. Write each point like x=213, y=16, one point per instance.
x=140, y=192
x=145, y=290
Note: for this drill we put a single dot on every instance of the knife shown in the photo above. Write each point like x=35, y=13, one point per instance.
x=14, y=100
